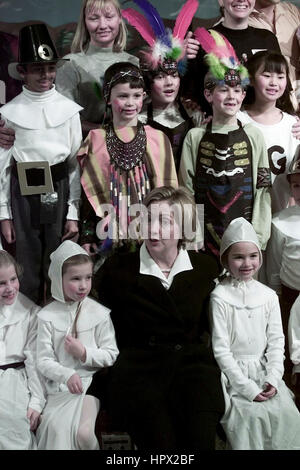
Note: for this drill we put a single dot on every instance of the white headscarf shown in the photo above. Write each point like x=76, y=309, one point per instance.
x=65, y=251
x=239, y=230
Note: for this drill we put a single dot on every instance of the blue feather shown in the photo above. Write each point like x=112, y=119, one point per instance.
x=155, y=21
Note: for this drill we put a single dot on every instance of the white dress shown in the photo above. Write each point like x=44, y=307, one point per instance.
x=20, y=388
x=60, y=418
x=248, y=345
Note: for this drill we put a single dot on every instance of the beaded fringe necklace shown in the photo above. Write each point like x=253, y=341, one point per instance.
x=127, y=158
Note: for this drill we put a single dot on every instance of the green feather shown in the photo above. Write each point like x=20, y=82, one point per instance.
x=215, y=67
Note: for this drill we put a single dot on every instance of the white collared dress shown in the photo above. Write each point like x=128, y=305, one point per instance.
x=248, y=344
x=60, y=419
x=20, y=388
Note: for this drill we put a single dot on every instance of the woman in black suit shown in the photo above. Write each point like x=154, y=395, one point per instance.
x=164, y=388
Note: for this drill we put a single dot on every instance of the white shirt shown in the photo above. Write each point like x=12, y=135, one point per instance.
x=149, y=267
x=282, y=146
x=47, y=127
x=18, y=330
x=283, y=251
x=170, y=117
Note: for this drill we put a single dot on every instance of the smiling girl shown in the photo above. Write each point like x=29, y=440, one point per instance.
x=122, y=162
x=248, y=344
x=21, y=393
x=269, y=108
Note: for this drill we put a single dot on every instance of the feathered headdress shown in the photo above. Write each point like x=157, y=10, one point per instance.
x=224, y=66
x=166, y=47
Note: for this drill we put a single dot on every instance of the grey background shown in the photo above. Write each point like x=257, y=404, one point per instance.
x=58, y=12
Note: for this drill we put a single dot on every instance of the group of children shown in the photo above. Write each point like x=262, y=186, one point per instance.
x=228, y=164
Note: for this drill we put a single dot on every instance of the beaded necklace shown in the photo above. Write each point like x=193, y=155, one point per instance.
x=128, y=158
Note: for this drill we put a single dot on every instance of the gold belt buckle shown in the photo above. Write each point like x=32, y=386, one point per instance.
x=28, y=190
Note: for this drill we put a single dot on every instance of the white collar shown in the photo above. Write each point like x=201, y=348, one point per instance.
x=149, y=267
x=241, y=294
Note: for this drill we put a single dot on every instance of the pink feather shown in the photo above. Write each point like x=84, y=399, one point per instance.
x=208, y=43
x=184, y=18
x=138, y=21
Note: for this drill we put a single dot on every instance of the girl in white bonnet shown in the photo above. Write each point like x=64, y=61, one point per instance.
x=75, y=339
x=248, y=344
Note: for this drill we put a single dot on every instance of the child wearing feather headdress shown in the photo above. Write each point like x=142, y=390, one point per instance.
x=225, y=164
x=163, y=64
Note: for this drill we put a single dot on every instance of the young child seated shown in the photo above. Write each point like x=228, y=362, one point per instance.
x=224, y=164
x=40, y=176
x=21, y=393
x=75, y=339
x=248, y=344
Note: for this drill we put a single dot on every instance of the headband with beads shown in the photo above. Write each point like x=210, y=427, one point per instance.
x=125, y=73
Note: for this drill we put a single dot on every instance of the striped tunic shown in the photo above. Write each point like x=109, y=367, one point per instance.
x=96, y=175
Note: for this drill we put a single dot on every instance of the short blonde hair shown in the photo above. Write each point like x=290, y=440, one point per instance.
x=7, y=260
x=82, y=38
x=181, y=197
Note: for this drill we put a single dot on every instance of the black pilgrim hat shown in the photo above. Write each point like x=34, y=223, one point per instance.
x=35, y=46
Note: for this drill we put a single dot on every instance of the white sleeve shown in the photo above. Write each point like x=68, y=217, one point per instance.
x=67, y=79
x=275, y=344
x=223, y=354
x=37, y=398
x=274, y=252
x=5, y=179
x=107, y=351
x=294, y=332
x=46, y=359
x=74, y=169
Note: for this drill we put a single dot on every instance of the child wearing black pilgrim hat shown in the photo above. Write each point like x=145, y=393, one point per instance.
x=40, y=177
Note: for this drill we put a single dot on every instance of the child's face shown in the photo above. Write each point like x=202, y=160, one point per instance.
x=243, y=260
x=164, y=88
x=237, y=9
x=269, y=86
x=38, y=77
x=9, y=285
x=103, y=25
x=226, y=101
x=295, y=187
x=126, y=103
x=77, y=282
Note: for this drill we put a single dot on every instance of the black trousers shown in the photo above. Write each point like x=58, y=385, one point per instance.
x=36, y=241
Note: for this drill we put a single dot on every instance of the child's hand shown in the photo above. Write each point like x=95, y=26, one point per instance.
x=269, y=391
x=260, y=397
x=74, y=384
x=8, y=230
x=7, y=135
x=74, y=347
x=34, y=418
x=71, y=230
x=296, y=129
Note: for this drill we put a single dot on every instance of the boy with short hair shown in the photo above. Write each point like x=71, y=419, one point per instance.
x=225, y=164
x=40, y=177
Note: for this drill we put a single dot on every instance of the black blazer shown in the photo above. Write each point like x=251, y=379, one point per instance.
x=162, y=335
